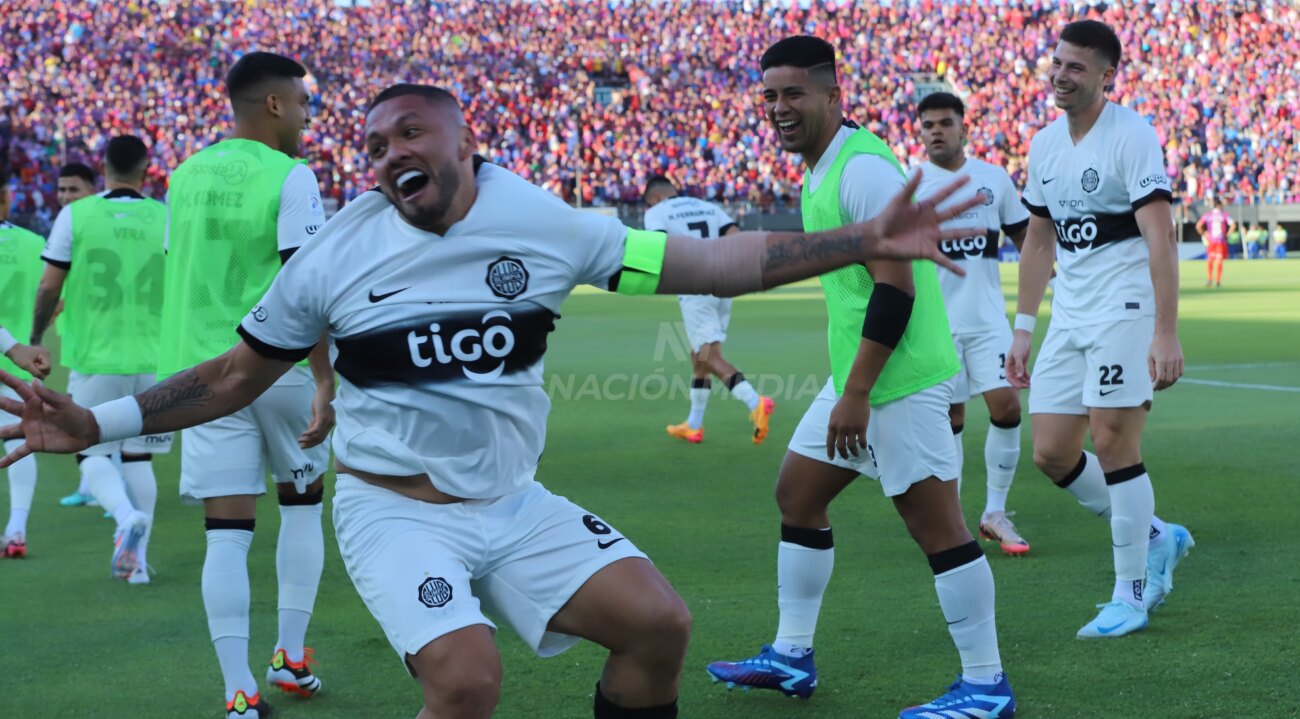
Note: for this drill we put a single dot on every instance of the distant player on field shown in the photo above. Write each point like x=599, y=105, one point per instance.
x=106, y=253
x=238, y=210
x=977, y=313
x=1214, y=227
x=705, y=317
x=1097, y=185
x=20, y=270
x=439, y=293
x=883, y=412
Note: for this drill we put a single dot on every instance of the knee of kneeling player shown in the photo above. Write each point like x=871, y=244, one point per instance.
x=471, y=685
x=663, y=630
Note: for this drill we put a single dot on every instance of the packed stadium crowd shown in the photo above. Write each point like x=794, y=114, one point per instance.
x=1219, y=80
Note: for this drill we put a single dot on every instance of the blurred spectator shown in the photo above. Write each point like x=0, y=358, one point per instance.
x=1279, y=241
x=589, y=98
x=1255, y=239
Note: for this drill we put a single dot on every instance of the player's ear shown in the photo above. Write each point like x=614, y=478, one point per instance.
x=467, y=145
x=272, y=104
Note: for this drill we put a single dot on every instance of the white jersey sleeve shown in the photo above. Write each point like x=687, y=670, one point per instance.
x=58, y=247
x=599, y=241
x=1142, y=165
x=867, y=185
x=301, y=213
x=655, y=220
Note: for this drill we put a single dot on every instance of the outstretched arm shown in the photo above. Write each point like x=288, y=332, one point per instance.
x=747, y=262
x=52, y=422
x=33, y=359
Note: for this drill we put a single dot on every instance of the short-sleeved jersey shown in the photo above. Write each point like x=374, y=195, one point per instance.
x=1216, y=226
x=688, y=217
x=439, y=339
x=1092, y=191
x=975, y=302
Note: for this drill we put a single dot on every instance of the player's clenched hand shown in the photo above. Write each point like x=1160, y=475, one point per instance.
x=846, y=434
x=322, y=419
x=1017, y=367
x=1165, y=361
x=910, y=229
x=34, y=359
x=51, y=422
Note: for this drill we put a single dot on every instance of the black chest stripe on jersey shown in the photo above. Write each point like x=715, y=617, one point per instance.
x=479, y=346
x=1093, y=231
x=985, y=245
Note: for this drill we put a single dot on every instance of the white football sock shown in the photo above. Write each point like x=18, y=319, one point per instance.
x=744, y=391
x=83, y=487
x=802, y=574
x=1158, y=530
x=1001, y=455
x=699, y=400
x=106, y=485
x=1089, y=487
x=22, y=485
x=967, y=598
x=1133, y=503
x=961, y=453
x=299, y=559
x=226, y=600
x=142, y=490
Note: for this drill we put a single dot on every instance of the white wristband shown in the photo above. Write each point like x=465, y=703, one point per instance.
x=7, y=341
x=119, y=419
x=1026, y=322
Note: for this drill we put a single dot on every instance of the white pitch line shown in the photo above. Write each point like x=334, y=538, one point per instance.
x=1240, y=385
x=1258, y=365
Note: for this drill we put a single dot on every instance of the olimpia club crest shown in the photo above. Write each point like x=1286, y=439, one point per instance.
x=1090, y=180
x=507, y=277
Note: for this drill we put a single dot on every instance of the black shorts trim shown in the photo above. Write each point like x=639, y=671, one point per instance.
x=271, y=351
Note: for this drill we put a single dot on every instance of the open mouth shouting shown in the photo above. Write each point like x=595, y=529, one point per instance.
x=410, y=183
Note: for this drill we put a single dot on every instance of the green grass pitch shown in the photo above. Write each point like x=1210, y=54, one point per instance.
x=73, y=643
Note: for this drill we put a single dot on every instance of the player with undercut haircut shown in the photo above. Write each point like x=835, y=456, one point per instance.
x=1100, y=201
x=105, y=255
x=705, y=318
x=239, y=209
x=893, y=363
x=977, y=313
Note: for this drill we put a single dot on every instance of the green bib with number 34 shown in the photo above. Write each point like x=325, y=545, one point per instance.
x=114, y=291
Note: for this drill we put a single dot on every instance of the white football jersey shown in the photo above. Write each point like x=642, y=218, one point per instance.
x=975, y=302
x=439, y=339
x=1091, y=192
x=688, y=217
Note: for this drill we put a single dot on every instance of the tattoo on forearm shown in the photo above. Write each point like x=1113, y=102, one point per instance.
x=46, y=303
x=180, y=391
x=802, y=248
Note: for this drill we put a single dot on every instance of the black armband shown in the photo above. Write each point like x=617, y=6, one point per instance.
x=888, y=312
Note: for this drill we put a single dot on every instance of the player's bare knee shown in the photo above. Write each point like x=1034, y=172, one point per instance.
x=663, y=632
x=1004, y=408
x=957, y=415
x=460, y=674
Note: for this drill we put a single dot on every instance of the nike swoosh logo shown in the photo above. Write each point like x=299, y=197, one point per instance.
x=1121, y=546
x=959, y=621
x=1003, y=466
x=1108, y=630
x=610, y=543
x=1048, y=180
x=1103, y=394
x=380, y=298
